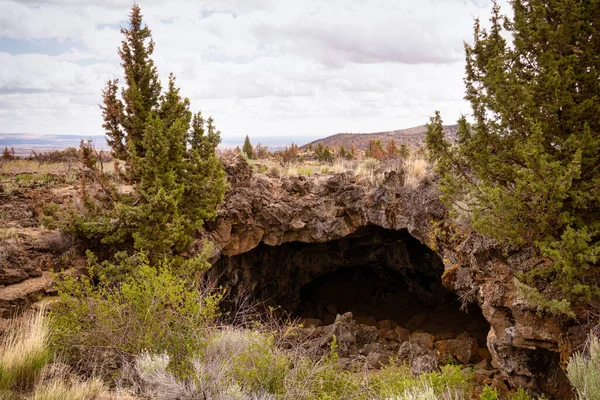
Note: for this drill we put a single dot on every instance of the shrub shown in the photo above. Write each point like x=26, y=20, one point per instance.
x=24, y=352
x=395, y=381
x=157, y=309
x=488, y=393
x=584, y=372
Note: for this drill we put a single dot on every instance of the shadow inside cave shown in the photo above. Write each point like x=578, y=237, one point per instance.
x=375, y=273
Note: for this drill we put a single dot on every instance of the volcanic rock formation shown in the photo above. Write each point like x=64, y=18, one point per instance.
x=304, y=243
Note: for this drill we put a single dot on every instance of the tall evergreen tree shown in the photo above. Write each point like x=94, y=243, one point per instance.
x=529, y=163
x=125, y=120
x=247, y=148
x=170, y=153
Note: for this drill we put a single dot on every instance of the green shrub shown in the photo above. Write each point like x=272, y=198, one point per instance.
x=584, y=372
x=520, y=394
x=260, y=367
x=157, y=309
x=488, y=393
x=396, y=380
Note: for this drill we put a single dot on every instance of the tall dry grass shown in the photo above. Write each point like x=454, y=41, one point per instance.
x=584, y=371
x=24, y=352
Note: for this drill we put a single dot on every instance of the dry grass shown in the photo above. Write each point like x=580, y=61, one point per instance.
x=33, y=167
x=24, y=352
x=62, y=389
x=417, y=171
x=584, y=372
x=369, y=170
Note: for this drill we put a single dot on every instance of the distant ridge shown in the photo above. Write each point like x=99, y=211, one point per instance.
x=25, y=143
x=412, y=137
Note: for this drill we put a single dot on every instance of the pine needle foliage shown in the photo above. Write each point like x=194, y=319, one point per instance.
x=527, y=166
x=168, y=154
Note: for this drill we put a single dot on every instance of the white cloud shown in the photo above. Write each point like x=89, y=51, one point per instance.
x=272, y=67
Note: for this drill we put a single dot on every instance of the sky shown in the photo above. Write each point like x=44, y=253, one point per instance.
x=263, y=68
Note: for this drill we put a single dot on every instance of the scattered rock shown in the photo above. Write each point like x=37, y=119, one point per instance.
x=377, y=360
x=424, y=364
x=402, y=334
x=463, y=348
x=422, y=339
x=386, y=324
x=306, y=322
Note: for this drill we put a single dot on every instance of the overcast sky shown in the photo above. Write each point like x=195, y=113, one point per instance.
x=266, y=68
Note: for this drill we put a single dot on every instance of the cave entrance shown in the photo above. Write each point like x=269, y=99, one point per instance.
x=375, y=273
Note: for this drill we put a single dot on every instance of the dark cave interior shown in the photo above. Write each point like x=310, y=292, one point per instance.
x=375, y=273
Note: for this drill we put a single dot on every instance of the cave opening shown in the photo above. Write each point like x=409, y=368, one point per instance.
x=375, y=273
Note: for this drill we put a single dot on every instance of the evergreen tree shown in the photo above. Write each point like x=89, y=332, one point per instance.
x=529, y=164
x=125, y=120
x=247, y=148
x=323, y=153
x=177, y=178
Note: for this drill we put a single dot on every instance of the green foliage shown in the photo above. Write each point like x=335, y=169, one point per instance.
x=261, y=367
x=160, y=309
x=527, y=167
x=520, y=394
x=323, y=153
x=488, y=393
x=394, y=380
x=584, y=372
x=247, y=148
x=169, y=155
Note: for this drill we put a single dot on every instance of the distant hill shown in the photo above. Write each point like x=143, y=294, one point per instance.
x=412, y=137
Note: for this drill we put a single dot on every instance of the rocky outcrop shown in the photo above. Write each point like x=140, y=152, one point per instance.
x=527, y=346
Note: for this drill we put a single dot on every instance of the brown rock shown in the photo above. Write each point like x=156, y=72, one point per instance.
x=484, y=353
x=463, y=348
x=391, y=335
x=402, y=334
x=306, y=322
x=422, y=339
x=386, y=324
x=377, y=360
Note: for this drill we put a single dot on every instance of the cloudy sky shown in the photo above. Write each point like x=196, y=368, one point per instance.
x=266, y=68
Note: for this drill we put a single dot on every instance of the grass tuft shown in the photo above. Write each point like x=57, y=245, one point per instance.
x=24, y=352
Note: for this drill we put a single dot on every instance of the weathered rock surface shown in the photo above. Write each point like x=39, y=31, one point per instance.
x=527, y=347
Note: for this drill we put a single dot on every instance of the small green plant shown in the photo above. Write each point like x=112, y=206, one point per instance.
x=520, y=394
x=488, y=393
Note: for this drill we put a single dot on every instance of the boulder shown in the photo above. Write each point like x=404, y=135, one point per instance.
x=422, y=339
x=463, y=348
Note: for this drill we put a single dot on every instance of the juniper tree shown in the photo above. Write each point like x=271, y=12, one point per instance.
x=126, y=119
x=247, y=148
x=528, y=165
x=170, y=153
